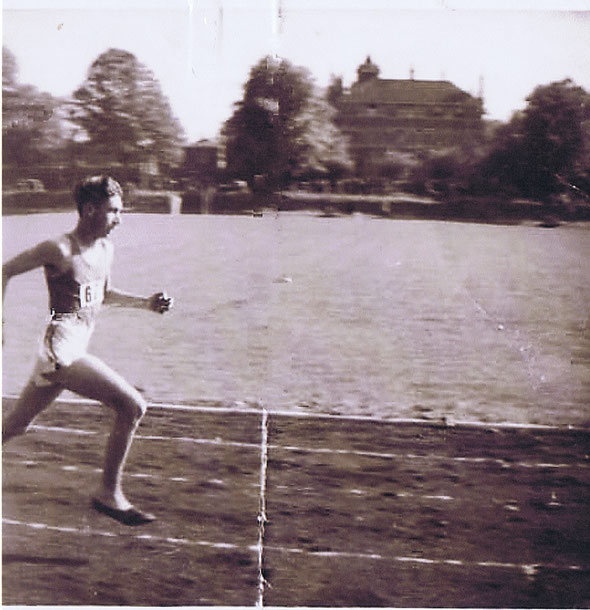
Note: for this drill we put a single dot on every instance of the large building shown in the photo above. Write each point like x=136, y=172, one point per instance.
x=200, y=163
x=384, y=118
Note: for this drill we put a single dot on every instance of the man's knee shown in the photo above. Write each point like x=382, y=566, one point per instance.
x=132, y=406
x=141, y=406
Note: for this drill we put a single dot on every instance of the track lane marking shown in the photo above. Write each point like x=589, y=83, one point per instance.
x=528, y=568
x=262, y=520
x=328, y=451
x=255, y=410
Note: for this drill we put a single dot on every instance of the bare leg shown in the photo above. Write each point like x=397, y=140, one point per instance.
x=31, y=402
x=91, y=377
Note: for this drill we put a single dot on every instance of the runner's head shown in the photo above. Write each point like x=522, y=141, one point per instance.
x=95, y=190
x=99, y=201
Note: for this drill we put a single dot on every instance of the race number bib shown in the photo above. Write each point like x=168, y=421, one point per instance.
x=91, y=293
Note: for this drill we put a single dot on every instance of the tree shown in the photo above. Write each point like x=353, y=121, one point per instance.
x=31, y=124
x=324, y=148
x=543, y=144
x=251, y=143
x=262, y=135
x=124, y=113
x=9, y=69
x=281, y=127
x=335, y=90
x=552, y=123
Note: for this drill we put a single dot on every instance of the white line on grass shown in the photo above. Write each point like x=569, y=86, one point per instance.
x=106, y=534
x=436, y=423
x=262, y=511
x=76, y=468
x=529, y=569
x=159, y=477
x=329, y=451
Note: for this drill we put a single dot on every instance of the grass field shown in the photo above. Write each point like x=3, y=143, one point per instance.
x=349, y=316
x=359, y=512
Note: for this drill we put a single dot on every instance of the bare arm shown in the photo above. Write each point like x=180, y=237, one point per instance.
x=45, y=253
x=159, y=301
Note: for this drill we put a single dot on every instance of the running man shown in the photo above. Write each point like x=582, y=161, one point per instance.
x=77, y=269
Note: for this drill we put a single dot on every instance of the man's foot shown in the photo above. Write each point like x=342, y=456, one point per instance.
x=128, y=516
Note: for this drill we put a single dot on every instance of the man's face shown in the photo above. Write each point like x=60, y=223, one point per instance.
x=106, y=216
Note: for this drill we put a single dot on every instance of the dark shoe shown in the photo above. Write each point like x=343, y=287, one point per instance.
x=130, y=516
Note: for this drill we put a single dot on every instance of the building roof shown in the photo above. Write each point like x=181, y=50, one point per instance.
x=204, y=143
x=389, y=91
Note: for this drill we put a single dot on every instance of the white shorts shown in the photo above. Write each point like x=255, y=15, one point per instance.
x=65, y=341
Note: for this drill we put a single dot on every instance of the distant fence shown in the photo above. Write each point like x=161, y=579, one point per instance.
x=219, y=202
x=205, y=201
x=477, y=209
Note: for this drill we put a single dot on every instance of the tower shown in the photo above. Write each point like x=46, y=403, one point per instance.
x=367, y=71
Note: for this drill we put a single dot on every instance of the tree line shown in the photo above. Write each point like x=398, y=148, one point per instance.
x=118, y=116
x=542, y=151
x=283, y=129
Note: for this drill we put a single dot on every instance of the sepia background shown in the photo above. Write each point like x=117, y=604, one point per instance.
x=374, y=219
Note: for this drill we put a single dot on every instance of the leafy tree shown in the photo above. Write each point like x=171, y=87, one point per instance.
x=31, y=124
x=542, y=144
x=335, y=90
x=281, y=127
x=9, y=69
x=280, y=86
x=251, y=142
x=324, y=149
x=124, y=113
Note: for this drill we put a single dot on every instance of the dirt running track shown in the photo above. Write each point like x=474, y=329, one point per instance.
x=359, y=513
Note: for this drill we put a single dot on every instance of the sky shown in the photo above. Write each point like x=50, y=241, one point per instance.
x=201, y=51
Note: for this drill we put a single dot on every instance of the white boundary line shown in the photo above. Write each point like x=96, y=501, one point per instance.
x=159, y=477
x=429, y=456
x=528, y=569
x=436, y=423
x=106, y=534
x=143, y=475
x=262, y=513
x=328, y=451
x=360, y=418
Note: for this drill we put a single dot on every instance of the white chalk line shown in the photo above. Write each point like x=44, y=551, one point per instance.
x=529, y=569
x=255, y=410
x=508, y=505
x=75, y=431
x=429, y=456
x=106, y=534
x=75, y=468
x=506, y=464
x=262, y=520
x=159, y=477
x=512, y=505
x=535, y=380
x=449, y=423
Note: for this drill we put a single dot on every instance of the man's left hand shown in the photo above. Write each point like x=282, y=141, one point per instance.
x=161, y=302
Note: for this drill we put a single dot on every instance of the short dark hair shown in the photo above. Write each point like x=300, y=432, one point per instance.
x=95, y=190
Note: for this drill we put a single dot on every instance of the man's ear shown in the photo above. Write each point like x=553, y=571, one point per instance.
x=87, y=209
